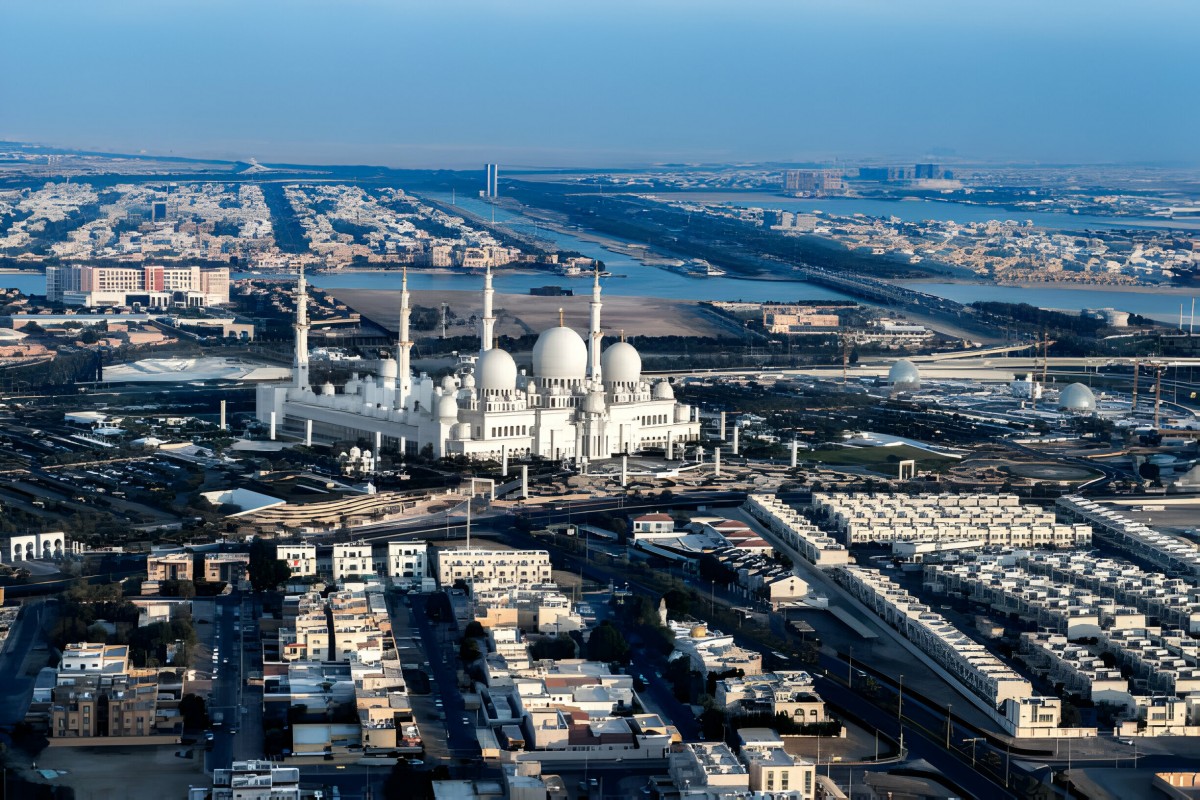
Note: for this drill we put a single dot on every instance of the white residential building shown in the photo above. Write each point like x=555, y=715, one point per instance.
x=408, y=563
x=353, y=559
x=301, y=558
x=251, y=780
x=487, y=570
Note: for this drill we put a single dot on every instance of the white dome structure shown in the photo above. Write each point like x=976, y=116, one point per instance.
x=497, y=371
x=594, y=403
x=447, y=408
x=327, y=389
x=388, y=368
x=904, y=375
x=1077, y=397
x=449, y=384
x=468, y=380
x=663, y=391
x=621, y=363
x=560, y=354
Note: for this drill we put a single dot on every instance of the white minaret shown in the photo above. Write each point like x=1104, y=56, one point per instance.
x=404, y=351
x=300, y=362
x=487, y=325
x=595, y=335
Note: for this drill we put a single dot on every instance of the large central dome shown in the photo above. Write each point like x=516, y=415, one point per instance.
x=620, y=363
x=560, y=354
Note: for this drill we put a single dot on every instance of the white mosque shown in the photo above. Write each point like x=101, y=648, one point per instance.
x=576, y=403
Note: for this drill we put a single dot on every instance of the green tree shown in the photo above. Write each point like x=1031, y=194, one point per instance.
x=606, y=643
x=266, y=571
x=195, y=715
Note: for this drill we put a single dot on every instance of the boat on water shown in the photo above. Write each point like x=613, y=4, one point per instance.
x=697, y=268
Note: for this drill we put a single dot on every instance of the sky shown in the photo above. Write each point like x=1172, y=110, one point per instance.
x=533, y=83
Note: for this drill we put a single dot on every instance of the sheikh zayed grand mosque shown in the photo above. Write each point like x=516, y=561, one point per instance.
x=575, y=402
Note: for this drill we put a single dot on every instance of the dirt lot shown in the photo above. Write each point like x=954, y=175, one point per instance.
x=123, y=773
x=521, y=314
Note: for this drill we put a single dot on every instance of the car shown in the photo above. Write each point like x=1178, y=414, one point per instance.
x=466, y=720
x=416, y=762
x=224, y=660
x=208, y=736
x=233, y=731
x=437, y=703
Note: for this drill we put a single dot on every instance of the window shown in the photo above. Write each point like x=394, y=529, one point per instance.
x=783, y=780
x=770, y=780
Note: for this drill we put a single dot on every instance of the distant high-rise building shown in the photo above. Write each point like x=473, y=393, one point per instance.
x=931, y=172
x=813, y=181
x=493, y=181
x=886, y=174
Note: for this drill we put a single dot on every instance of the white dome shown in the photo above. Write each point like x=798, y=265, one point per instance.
x=621, y=363
x=387, y=368
x=468, y=380
x=355, y=452
x=447, y=408
x=904, y=375
x=497, y=371
x=327, y=389
x=462, y=431
x=663, y=391
x=448, y=384
x=1077, y=397
x=560, y=353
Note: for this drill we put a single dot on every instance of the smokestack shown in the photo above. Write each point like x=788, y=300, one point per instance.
x=272, y=426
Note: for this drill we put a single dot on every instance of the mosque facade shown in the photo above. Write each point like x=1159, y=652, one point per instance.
x=577, y=401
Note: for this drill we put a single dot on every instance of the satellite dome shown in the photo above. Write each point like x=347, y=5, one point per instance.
x=1077, y=397
x=497, y=371
x=904, y=375
x=621, y=363
x=663, y=391
x=560, y=354
x=447, y=408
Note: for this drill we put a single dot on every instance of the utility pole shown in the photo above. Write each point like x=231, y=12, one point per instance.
x=949, y=722
x=1136, y=368
x=1157, y=393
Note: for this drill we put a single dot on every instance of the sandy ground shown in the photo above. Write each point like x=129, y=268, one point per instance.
x=123, y=773
x=521, y=314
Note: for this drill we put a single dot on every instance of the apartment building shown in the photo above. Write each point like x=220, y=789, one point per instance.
x=713, y=651
x=171, y=567
x=790, y=693
x=774, y=770
x=485, y=570
x=251, y=780
x=149, y=286
x=408, y=563
x=705, y=769
x=98, y=693
x=301, y=558
x=227, y=567
x=997, y=520
x=353, y=560
x=649, y=526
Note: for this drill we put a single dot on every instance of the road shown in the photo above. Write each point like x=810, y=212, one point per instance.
x=227, y=693
x=17, y=689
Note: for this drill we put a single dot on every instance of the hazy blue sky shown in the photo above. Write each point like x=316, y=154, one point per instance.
x=458, y=82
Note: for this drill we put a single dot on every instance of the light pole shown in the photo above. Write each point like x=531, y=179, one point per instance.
x=949, y=723
x=900, y=701
x=973, y=741
x=850, y=670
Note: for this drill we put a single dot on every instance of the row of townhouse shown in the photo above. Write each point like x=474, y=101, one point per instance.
x=1008, y=696
x=1000, y=582
x=1076, y=667
x=813, y=544
x=1173, y=601
x=217, y=567
x=997, y=520
x=540, y=608
x=1169, y=552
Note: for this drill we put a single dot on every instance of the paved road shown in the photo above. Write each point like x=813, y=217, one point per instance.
x=16, y=690
x=226, y=693
x=440, y=648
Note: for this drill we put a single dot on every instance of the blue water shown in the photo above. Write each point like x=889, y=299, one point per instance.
x=1160, y=306
x=26, y=282
x=921, y=210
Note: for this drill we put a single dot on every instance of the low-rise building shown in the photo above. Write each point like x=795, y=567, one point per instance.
x=251, y=780
x=484, y=570
x=227, y=567
x=789, y=693
x=301, y=558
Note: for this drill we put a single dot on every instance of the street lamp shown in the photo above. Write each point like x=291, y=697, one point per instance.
x=949, y=723
x=900, y=701
x=973, y=741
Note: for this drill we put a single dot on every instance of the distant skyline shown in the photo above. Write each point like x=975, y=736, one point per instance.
x=537, y=83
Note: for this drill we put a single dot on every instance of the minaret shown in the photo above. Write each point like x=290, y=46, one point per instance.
x=595, y=334
x=300, y=362
x=404, y=351
x=488, y=324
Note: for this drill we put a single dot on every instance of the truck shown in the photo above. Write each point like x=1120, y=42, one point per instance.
x=218, y=718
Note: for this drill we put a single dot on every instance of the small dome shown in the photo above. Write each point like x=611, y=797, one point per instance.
x=621, y=363
x=1077, y=397
x=497, y=371
x=447, y=408
x=698, y=632
x=468, y=380
x=904, y=375
x=560, y=353
x=462, y=431
x=594, y=403
x=663, y=391
x=449, y=384
x=387, y=368
x=355, y=452
x=327, y=389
